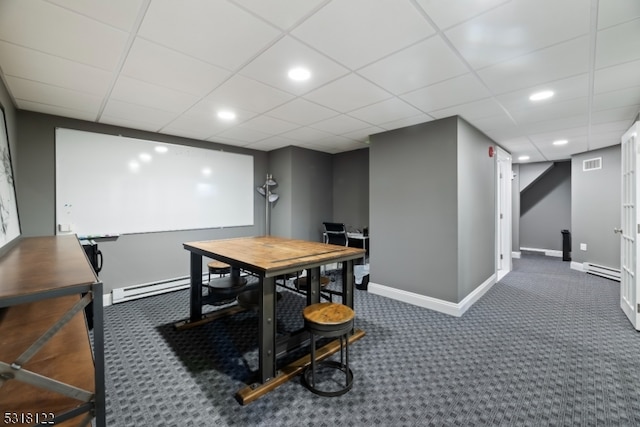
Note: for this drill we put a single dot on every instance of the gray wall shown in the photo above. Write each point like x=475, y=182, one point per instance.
x=476, y=209
x=305, y=179
x=596, y=208
x=515, y=208
x=417, y=194
x=545, y=207
x=351, y=188
x=129, y=259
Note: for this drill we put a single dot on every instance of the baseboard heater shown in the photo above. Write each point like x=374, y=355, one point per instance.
x=129, y=293
x=601, y=270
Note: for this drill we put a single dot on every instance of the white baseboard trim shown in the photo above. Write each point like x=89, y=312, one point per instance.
x=578, y=266
x=515, y=254
x=547, y=252
x=446, y=307
x=106, y=300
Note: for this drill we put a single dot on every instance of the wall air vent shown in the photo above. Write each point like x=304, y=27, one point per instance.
x=592, y=164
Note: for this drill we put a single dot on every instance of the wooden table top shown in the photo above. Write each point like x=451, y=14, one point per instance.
x=40, y=264
x=270, y=255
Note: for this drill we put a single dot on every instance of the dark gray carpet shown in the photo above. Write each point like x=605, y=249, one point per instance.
x=545, y=346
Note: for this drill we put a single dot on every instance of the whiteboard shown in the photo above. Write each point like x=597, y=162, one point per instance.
x=111, y=185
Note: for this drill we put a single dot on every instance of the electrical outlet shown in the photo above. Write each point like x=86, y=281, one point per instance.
x=583, y=246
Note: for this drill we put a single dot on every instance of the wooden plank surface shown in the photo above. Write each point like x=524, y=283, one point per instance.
x=265, y=254
x=67, y=357
x=40, y=264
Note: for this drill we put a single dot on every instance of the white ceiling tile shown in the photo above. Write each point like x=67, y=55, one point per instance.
x=272, y=143
x=244, y=134
x=69, y=36
x=306, y=134
x=270, y=125
x=569, y=59
x=131, y=122
x=618, y=98
x=492, y=123
x=517, y=28
x=456, y=91
x=618, y=44
x=551, y=111
x=446, y=13
x=138, y=92
x=488, y=107
x=386, y=111
x=272, y=66
x=281, y=13
x=121, y=14
x=348, y=93
x=406, y=121
x=564, y=89
x=555, y=124
x=151, y=117
x=165, y=67
x=28, y=90
x=614, y=12
x=214, y=31
x=195, y=125
x=615, y=114
x=33, y=65
x=356, y=34
x=55, y=110
x=340, y=124
x=617, y=77
x=422, y=64
x=363, y=134
x=302, y=112
x=248, y=94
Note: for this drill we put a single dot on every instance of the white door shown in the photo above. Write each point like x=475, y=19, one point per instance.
x=630, y=226
x=503, y=213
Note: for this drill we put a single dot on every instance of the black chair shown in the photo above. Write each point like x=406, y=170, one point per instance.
x=335, y=233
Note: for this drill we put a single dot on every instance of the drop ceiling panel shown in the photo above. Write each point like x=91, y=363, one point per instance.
x=615, y=12
x=564, y=89
x=518, y=28
x=422, y=64
x=618, y=44
x=138, y=92
x=161, y=66
x=356, y=34
x=27, y=90
x=248, y=94
x=385, y=111
x=617, y=77
x=552, y=111
x=455, y=91
x=341, y=124
x=29, y=64
x=121, y=14
x=484, y=108
x=619, y=98
x=61, y=32
x=348, y=93
x=270, y=125
x=55, y=110
x=569, y=59
x=446, y=13
x=282, y=13
x=214, y=31
x=147, y=116
x=273, y=65
x=302, y=112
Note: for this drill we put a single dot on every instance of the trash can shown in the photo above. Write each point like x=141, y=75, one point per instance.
x=566, y=245
x=361, y=276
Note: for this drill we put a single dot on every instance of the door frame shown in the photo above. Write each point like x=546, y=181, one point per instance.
x=504, y=177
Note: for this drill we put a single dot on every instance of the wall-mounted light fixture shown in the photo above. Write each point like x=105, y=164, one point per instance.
x=269, y=198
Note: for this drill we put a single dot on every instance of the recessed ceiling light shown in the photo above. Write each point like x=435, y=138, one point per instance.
x=299, y=74
x=522, y=158
x=161, y=149
x=226, y=115
x=560, y=142
x=539, y=96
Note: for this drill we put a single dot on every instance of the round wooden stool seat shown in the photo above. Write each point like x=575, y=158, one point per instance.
x=329, y=319
x=223, y=290
x=218, y=267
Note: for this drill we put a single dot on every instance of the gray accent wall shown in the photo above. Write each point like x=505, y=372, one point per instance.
x=596, y=208
x=424, y=208
x=305, y=179
x=130, y=259
x=545, y=206
x=351, y=188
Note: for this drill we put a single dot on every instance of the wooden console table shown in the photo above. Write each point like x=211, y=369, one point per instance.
x=48, y=373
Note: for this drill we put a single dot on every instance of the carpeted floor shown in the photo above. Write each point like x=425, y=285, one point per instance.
x=545, y=346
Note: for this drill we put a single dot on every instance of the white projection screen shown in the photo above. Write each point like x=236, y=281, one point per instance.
x=110, y=185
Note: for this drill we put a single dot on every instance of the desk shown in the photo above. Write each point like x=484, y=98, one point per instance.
x=269, y=257
x=47, y=368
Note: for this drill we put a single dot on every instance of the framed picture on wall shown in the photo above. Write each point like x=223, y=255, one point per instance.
x=9, y=220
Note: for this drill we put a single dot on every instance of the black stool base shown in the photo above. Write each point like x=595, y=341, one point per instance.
x=306, y=380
